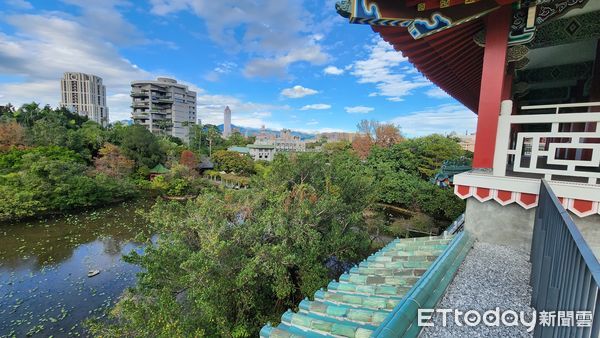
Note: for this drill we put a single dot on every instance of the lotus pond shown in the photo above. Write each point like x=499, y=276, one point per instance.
x=44, y=285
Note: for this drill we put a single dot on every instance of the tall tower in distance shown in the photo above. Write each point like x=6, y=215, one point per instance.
x=227, y=123
x=84, y=94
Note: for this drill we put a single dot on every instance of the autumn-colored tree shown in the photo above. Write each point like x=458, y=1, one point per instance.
x=362, y=144
x=387, y=134
x=11, y=134
x=111, y=162
x=188, y=159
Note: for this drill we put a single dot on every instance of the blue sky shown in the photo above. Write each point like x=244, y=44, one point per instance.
x=282, y=63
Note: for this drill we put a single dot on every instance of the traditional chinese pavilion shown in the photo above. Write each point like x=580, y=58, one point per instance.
x=530, y=70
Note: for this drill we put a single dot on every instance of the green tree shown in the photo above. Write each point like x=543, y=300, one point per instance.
x=421, y=156
x=142, y=147
x=237, y=139
x=41, y=180
x=47, y=132
x=230, y=261
x=7, y=112
x=116, y=133
x=213, y=139
x=231, y=161
x=196, y=137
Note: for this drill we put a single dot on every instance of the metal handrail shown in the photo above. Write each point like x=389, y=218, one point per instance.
x=565, y=273
x=456, y=226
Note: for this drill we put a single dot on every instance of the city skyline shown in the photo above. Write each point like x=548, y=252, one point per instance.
x=279, y=64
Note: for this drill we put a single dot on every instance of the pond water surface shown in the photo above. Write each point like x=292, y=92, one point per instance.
x=44, y=287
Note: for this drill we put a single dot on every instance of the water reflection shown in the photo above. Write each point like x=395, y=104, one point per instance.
x=44, y=288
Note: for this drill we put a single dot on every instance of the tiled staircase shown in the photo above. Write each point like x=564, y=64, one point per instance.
x=362, y=299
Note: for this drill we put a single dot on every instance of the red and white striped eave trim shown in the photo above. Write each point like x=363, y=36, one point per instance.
x=581, y=208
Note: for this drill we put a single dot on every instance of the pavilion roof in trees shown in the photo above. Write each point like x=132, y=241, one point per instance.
x=159, y=169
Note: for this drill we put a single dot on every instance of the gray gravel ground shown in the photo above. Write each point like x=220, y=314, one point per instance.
x=491, y=276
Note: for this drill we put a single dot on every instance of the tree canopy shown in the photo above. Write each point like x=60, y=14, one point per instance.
x=228, y=262
x=231, y=161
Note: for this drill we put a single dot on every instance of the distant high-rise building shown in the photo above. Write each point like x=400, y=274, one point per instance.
x=164, y=107
x=227, y=123
x=85, y=95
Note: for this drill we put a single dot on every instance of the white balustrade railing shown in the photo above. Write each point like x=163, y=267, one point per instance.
x=556, y=153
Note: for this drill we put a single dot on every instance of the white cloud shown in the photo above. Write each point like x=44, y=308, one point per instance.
x=278, y=33
x=394, y=99
x=45, y=46
x=316, y=106
x=359, y=110
x=243, y=113
x=321, y=130
x=312, y=122
x=437, y=93
x=262, y=114
x=221, y=69
x=104, y=19
x=20, y=4
x=382, y=68
x=442, y=119
x=333, y=70
x=298, y=92
x=277, y=66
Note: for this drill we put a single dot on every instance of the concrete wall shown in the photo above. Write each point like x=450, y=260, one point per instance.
x=491, y=222
x=513, y=225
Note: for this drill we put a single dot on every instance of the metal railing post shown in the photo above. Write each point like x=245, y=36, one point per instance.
x=565, y=273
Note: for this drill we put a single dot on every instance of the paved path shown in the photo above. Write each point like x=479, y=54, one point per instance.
x=491, y=276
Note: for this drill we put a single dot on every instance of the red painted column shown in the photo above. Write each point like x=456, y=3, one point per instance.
x=492, y=85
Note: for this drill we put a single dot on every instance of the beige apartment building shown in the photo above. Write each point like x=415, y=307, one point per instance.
x=85, y=95
x=285, y=141
x=467, y=142
x=164, y=106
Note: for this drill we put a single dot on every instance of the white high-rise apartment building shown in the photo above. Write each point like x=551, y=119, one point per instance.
x=85, y=95
x=164, y=106
x=227, y=122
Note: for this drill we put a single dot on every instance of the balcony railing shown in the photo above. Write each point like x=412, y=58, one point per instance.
x=557, y=142
x=140, y=104
x=565, y=273
x=139, y=94
x=139, y=115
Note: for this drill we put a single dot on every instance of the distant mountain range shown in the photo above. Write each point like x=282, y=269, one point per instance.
x=255, y=131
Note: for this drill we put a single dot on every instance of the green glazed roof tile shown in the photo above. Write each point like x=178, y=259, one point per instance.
x=363, y=298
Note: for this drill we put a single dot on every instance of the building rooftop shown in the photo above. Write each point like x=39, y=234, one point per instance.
x=243, y=150
x=261, y=146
